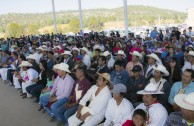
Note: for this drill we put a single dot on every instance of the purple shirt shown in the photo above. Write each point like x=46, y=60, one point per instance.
x=62, y=87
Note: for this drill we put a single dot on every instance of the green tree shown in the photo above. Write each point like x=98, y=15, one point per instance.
x=14, y=30
x=94, y=23
x=74, y=25
x=31, y=29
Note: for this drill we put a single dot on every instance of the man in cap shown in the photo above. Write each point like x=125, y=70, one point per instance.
x=118, y=106
x=61, y=90
x=156, y=112
x=186, y=116
x=185, y=86
x=86, y=57
x=110, y=60
x=27, y=80
x=152, y=61
x=136, y=82
x=163, y=85
x=136, y=56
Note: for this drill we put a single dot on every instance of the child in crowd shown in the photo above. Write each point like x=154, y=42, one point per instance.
x=139, y=118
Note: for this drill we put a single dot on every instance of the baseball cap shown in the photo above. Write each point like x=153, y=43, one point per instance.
x=136, y=68
x=118, y=88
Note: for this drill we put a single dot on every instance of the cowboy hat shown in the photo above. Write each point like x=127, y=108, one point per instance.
x=137, y=54
x=106, y=53
x=153, y=55
x=185, y=101
x=190, y=46
x=40, y=48
x=75, y=48
x=162, y=69
x=31, y=56
x=84, y=49
x=150, y=89
x=191, y=53
x=25, y=64
x=64, y=67
x=121, y=52
x=14, y=46
x=67, y=53
x=105, y=75
x=56, y=66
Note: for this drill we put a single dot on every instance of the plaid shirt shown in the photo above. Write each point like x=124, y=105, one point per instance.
x=175, y=119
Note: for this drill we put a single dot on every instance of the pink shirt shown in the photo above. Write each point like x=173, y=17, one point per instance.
x=62, y=87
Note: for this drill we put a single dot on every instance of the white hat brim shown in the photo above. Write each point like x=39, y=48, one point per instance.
x=166, y=73
x=179, y=100
x=142, y=92
x=156, y=58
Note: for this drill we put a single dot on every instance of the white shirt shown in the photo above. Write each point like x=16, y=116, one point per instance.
x=38, y=56
x=32, y=74
x=98, y=104
x=111, y=62
x=157, y=112
x=187, y=66
x=87, y=61
x=116, y=113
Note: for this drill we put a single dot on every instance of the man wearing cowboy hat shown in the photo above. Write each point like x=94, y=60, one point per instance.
x=86, y=57
x=186, y=116
x=61, y=90
x=185, y=86
x=30, y=75
x=136, y=56
x=121, y=56
x=75, y=52
x=98, y=95
x=110, y=60
x=190, y=61
x=156, y=112
x=32, y=59
x=163, y=85
x=152, y=61
x=67, y=59
x=44, y=54
x=38, y=54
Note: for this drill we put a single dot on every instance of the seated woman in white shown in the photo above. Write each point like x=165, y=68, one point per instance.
x=94, y=113
x=118, y=107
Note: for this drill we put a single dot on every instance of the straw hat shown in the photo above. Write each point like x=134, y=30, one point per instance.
x=153, y=55
x=64, y=67
x=106, y=53
x=150, y=89
x=25, y=64
x=137, y=54
x=185, y=101
x=162, y=69
x=105, y=75
x=56, y=66
x=67, y=53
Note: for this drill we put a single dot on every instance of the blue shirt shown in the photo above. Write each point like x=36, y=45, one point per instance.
x=153, y=34
x=176, y=88
x=119, y=77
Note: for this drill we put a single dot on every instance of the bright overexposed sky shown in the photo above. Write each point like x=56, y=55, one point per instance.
x=40, y=6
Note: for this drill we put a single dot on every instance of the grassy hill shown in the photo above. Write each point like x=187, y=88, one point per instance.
x=138, y=15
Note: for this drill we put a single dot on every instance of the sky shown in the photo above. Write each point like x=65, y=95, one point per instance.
x=41, y=6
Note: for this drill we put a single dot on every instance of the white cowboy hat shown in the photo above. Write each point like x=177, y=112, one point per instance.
x=190, y=46
x=150, y=89
x=67, y=53
x=185, y=101
x=155, y=57
x=162, y=69
x=59, y=47
x=97, y=47
x=191, y=53
x=105, y=75
x=40, y=48
x=64, y=67
x=84, y=49
x=25, y=64
x=31, y=56
x=75, y=48
x=56, y=66
x=121, y=52
x=106, y=53
x=14, y=46
x=137, y=54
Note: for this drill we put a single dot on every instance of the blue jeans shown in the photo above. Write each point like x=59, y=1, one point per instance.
x=64, y=113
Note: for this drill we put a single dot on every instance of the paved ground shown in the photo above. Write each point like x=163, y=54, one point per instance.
x=15, y=111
